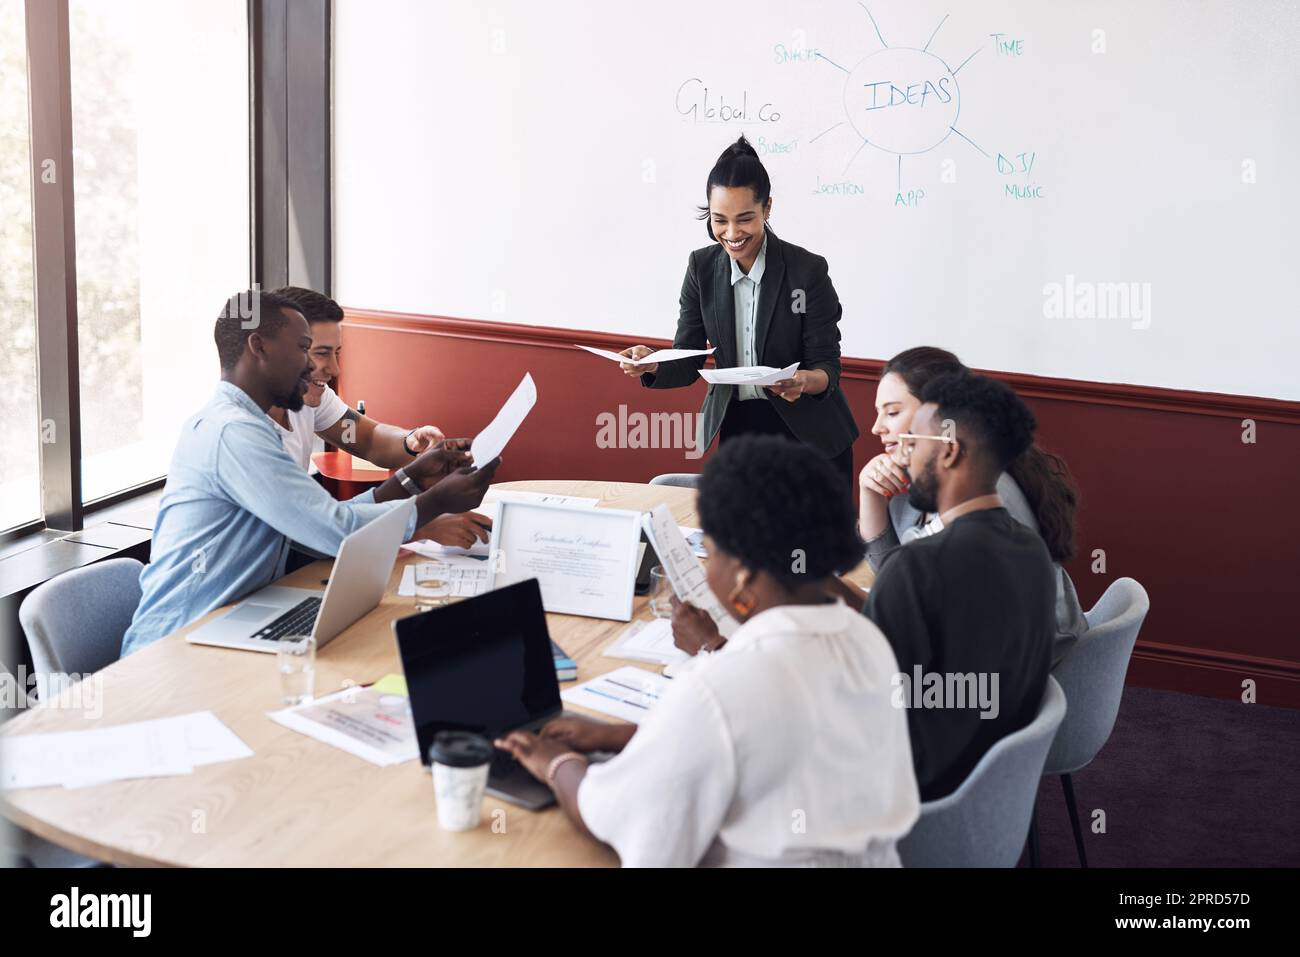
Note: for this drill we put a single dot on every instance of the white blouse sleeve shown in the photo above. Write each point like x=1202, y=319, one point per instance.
x=662, y=801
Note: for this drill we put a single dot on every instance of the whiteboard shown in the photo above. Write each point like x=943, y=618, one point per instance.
x=1103, y=191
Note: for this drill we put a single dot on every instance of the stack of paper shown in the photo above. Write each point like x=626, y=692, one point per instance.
x=366, y=722
x=650, y=641
x=363, y=465
x=627, y=693
x=748, y=375
x=162, y=747
x=432, y=549
x=663, y=355
x=566, y=669
x=469, y=576
x=541, y=498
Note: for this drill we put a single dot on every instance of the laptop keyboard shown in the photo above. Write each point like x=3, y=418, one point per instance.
x=298, y=620
x=503, y=763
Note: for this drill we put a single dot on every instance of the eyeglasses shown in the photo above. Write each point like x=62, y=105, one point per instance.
x=907, y=448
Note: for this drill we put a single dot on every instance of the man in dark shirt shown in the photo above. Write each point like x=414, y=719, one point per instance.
x=970, y=611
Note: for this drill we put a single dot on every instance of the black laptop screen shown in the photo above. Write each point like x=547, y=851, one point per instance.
x=483, y=664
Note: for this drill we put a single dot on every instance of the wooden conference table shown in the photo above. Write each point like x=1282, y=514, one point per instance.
x=298, y=801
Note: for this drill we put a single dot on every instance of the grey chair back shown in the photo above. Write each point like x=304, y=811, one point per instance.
x=985, y=821
x=1092, y=675
x=678, y=479
x=75, y=622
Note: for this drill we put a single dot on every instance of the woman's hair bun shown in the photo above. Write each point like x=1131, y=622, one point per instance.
x=742, y=146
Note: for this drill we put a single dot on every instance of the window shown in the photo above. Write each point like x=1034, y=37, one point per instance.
x=160, y=139
x=20, y=486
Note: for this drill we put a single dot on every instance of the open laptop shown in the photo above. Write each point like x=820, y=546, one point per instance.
x=484, y=665
x=647, y=561
x=356, y=583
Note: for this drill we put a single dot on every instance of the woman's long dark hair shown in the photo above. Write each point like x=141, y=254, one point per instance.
x=738, y=166
x=1053, y=495
x=1043, y=477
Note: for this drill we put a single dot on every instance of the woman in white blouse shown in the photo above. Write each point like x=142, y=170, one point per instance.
x=782, y=749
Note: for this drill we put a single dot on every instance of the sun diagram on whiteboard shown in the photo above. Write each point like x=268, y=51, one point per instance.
x=900, y=100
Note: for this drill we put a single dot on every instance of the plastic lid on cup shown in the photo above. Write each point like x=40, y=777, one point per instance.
x=460, y=749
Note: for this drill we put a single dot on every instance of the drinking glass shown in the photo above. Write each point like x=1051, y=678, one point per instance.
x=296, y=658
x=432, y=585
x=661, y=593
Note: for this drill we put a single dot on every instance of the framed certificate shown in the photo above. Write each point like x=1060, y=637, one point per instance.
x=584, y=559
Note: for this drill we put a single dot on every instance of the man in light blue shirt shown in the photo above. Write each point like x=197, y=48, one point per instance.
x=234, y=495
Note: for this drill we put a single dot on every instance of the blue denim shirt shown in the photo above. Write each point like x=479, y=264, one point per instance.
x=233, y=498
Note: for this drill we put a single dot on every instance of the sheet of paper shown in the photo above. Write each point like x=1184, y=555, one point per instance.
x=390, y=684
x=160, y=747
x=685, y=572
x=663, y=355
x=584, y=559
x=431, y=549
x=489, y=443
x=468, y=576
x=628, y=693
x=748, y=375
x=207, y=740
x=363, y=465
x=360, y=721
x=488, y=508
x=542, y=498
x=427, y=548
x=650, y=641
x=82, y=758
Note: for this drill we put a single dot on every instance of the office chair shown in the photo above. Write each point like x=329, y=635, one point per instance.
x=1092, y=676
x=984, y=822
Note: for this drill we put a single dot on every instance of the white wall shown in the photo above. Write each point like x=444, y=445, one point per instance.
x=530, y=162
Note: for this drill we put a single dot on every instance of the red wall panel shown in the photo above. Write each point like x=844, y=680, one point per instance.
x=1170, y=493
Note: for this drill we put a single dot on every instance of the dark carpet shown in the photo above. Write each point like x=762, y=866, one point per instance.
x=1184, y=781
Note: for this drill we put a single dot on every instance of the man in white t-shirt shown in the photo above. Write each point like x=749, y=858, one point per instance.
x=325, y=417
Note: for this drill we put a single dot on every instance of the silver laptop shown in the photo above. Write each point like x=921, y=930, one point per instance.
x=357, y=582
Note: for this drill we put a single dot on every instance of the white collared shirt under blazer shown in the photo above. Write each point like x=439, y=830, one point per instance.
x=782, y=749
x=744, y=288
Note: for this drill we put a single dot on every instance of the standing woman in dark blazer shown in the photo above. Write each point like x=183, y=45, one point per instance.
x=760, y=301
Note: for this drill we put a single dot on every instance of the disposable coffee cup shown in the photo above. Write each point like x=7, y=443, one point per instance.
x=460, y=760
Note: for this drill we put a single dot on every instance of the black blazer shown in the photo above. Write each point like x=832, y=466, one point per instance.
x=798, y=321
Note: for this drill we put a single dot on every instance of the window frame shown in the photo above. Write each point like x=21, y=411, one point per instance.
x=289, y=103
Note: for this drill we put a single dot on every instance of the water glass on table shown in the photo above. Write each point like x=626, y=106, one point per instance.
x=296, y=658
x=661, y=593
x=432, y=585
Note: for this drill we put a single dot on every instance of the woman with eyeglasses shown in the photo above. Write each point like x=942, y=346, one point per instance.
x=1037, y=489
